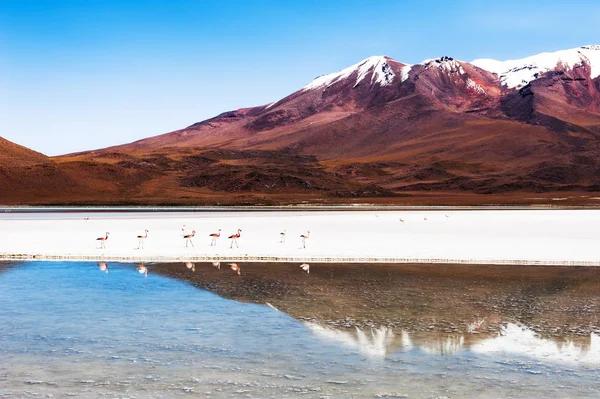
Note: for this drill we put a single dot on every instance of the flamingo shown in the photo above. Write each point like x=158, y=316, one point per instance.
x=217, y=265
x=190, y=266
x=214, y=237
x=142, y=269
x=234, y=238
x=103, y=240
x=401, y=220
x=305, y=237
x=305, y=267
x=188, y=238
x=103, y=267
x=282, y=237
x=141, y=239
x=236, y=268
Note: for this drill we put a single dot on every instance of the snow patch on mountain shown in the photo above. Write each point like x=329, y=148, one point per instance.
x=474, y=86
x=381, y=73
x=405, y=72
x=518, y=73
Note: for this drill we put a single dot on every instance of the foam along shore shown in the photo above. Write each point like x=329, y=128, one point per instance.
x=552, y=237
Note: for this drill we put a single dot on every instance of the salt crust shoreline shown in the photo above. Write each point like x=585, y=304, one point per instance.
x=273, y=259
x=495, y=237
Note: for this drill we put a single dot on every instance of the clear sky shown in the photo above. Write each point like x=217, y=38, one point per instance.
x=86, y=74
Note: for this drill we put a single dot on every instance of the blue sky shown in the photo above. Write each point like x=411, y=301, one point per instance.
x=85, y=74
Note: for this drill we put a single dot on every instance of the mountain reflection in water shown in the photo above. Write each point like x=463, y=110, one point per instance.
x=521, y=340
x=372, y=344
x=548, y=313
x=377, y=343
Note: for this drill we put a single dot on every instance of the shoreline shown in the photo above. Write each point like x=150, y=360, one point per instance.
x=293, y=259
x=287, y=208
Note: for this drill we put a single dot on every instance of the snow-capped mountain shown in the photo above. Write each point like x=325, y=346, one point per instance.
x=484, y=112
x=377, y=127
x=518, y=73
x=511, y=73
x=378, y=67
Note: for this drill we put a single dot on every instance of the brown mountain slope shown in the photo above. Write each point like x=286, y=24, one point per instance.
x=28, y=177
x=12, y=154
x=563, y=100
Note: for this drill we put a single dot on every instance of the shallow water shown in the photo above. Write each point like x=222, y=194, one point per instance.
x=70, y=329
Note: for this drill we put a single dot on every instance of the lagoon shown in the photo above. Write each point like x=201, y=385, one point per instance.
x=71, y=329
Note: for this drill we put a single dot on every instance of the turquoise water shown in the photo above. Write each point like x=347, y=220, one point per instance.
x=69, y=329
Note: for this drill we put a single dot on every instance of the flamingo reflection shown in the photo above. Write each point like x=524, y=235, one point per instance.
x=236, y=268
x=103, y=267
x=191, y=266
x=142, y=269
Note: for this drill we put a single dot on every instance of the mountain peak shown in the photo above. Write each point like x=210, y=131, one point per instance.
x=379, y=66
x=518, y=73
x=445, y=63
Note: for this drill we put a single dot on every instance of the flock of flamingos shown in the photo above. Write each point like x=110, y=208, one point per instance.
x=188, y=241
x=214, y=236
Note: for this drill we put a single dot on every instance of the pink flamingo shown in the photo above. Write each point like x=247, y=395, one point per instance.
x=214, y=237
x=234, y=238
x=305, y=237
x=141, y=239
x=103, y=240
x=188, y=238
